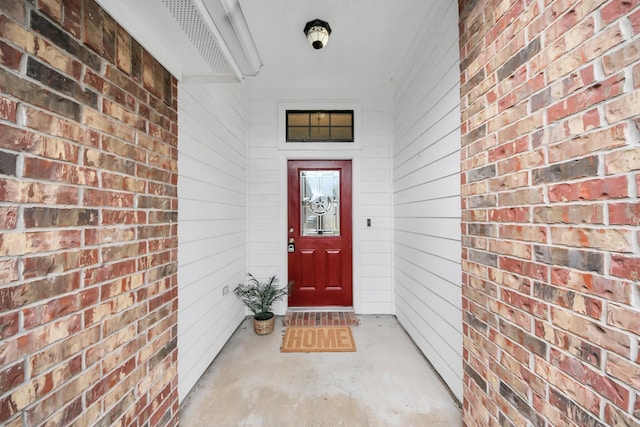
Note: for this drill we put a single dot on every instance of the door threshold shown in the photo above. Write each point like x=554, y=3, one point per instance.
x=322, y=309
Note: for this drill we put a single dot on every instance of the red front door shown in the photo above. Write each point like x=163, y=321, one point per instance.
x=319, y=233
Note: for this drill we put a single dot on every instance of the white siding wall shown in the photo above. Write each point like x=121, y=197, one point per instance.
x=426, y=189
x=373, y=287
x=212, y=224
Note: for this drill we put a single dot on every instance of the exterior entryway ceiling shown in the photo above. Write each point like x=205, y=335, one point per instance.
x=232, y=40
x=369, y=42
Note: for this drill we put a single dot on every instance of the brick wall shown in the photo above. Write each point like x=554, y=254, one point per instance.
x=88, y=233
x=551, y=181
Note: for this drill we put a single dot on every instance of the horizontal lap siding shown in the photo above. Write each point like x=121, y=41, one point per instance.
x=426, y=190
x=212, y=222
x=372, y=262
x=264, y=200
x=375, y=247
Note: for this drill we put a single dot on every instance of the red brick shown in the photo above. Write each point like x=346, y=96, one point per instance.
x=623, y=107
x=8, y=218
x=587, y=376
x=9, y=56
x=624, y=318
x=32, y=292
x=123, y=50
x=613, y=240
x=52, y=125
x=108, y=199
x=52, y=8
x=614, y=9
x=12, y=376
x=16, y=139
x=612, y=290
x=577, y=302
x=8, y=109
x=129, y=151
x=597, y=189
x=72, y=17
x=625, y=267
x=586, y=143
x=24, y=192
x=117, y=112
x=51, y=280
x=593, y=94
x=8, y=328
x=64, y=396
x=571, y=214
x=108, y=125
x=635, y=21
x=15, y=10
x=600, y=335
x=108, y=38
x=569, y=259
x=617, y=60
x=12, y=244
x=509, y=215
x=111, y=163
x=622, y=161
x=615, y=416
x=529, y=269
x=624, y=213
x=92, y=34
x=35, y=316
x=59, y=172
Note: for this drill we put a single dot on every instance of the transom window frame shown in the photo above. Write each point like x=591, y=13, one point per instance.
x=329, y=122
x=333, y=147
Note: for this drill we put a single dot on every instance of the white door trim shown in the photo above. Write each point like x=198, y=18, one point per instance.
x=283, y=158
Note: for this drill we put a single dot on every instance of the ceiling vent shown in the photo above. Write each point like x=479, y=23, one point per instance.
x=196, y=40
x=190, y=19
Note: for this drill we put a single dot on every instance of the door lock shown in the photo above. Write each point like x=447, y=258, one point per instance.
x=291, y=247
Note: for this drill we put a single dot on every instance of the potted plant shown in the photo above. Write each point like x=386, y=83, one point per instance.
x=259, y=297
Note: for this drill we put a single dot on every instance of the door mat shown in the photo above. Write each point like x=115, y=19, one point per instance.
x=317, y=339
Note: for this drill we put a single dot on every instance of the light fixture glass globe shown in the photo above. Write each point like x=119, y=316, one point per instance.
x=317, y=32
x=318, y=37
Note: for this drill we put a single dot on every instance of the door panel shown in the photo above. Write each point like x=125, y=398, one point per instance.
x=334, y=268
x=319, y=216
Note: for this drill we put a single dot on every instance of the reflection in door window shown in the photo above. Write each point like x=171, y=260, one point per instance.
x=320, y=203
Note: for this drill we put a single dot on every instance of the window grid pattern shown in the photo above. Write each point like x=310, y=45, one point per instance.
x=319, y=125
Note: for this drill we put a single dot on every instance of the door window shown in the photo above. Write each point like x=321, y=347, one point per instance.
x=320, y=203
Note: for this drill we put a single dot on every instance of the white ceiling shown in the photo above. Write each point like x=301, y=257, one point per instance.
x=369, y=40
x=368, y=43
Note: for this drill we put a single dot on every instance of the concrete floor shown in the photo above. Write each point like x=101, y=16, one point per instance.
x=387, y=382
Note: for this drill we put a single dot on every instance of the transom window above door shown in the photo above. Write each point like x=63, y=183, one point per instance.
x=319, y=126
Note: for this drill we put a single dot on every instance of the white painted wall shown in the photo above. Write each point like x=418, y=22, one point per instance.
x=371, y=155
x=233, y=193
x=426, y=191
x=212, y=222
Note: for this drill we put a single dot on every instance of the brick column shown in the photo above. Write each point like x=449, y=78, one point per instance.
x=88, y=209
x=551, y=185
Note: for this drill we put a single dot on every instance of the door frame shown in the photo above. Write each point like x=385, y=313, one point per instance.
x=283, y=223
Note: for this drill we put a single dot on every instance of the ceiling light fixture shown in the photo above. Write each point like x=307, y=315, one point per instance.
x=317, y=32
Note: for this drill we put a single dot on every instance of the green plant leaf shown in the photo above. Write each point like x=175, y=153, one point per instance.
x=260, y=296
